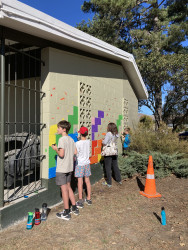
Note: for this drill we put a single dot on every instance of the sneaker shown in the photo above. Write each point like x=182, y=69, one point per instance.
x=106, y=184
x=75, y=211
x=79, y=204
x=63, y=215
x=88, y=202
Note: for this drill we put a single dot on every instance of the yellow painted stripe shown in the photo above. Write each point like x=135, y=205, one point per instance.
x=52, y=134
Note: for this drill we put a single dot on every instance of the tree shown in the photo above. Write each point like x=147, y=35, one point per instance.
x=150, y=29
x=113, y=21
x=175, y=109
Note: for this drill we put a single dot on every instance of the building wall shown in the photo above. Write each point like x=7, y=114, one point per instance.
x=84, y=91
x=132, y=103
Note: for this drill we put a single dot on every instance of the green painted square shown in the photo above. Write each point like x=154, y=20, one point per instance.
x=118, y=122
x=73, y=119
x=52, y=157
x=57, y=139
x=71, y=122
x=75, y=112
x=70, y=119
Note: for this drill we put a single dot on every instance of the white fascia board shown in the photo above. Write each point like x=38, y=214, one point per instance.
x=22, y=17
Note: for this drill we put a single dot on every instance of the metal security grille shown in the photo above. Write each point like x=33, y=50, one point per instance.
x=84, y=107
x=125, y=113
x=22, y=122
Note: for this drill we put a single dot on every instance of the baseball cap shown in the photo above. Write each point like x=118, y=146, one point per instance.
x=83, y=130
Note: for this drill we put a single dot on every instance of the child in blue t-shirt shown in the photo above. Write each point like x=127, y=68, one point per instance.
x=126, y=141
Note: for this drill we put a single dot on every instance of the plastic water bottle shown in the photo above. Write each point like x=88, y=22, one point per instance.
x=37, y=216
x=163, y=216
x=44, y=212
x=30, y=220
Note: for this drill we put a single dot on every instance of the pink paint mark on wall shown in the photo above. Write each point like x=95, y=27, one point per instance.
x=62, y=99
x=51, y=95
x=92, y=120
x=53, y=88
x=65, y=93
x=53, y=118
x=57, y=107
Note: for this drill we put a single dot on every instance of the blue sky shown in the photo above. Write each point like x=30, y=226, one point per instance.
x=68, y=11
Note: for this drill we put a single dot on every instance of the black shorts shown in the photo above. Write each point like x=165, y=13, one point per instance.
x=63, y=178
x=125, y=150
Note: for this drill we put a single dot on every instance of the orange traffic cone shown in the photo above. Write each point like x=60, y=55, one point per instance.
x=150, y=188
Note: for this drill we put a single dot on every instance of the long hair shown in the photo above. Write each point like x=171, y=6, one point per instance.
x=112, y=128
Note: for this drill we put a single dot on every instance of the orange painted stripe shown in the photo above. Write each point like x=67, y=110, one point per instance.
x=97, y=151
x=94, y=159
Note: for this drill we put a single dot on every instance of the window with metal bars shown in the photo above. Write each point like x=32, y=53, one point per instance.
x=22, y=119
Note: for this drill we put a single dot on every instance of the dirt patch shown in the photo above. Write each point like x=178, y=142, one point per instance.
x=120, y=218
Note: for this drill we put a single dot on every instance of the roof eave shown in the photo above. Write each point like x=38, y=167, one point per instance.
x=19, y=16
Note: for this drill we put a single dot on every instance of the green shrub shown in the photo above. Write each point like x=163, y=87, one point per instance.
x=164, y=164
x=132, y=164
x=180, y=167
x=146, y=122
x=144, y=140
x=170, y=155
x=126, y=167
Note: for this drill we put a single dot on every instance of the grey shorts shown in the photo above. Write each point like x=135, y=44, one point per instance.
x=63, y=178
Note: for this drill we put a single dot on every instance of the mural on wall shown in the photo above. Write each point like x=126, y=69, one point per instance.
x=54, y=138
x=82, y=117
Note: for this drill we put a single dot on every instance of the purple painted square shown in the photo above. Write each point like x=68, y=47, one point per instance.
x=94, y=128
x=97, y=121
x=93, y=136
x=101, y=114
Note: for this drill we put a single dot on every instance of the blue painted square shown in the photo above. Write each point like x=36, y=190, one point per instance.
x=52, y=172
x=74, y=136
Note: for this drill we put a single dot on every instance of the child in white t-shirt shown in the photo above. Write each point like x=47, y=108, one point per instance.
x=83, y=170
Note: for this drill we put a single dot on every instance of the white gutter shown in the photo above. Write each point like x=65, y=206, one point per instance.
x=19, y=16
